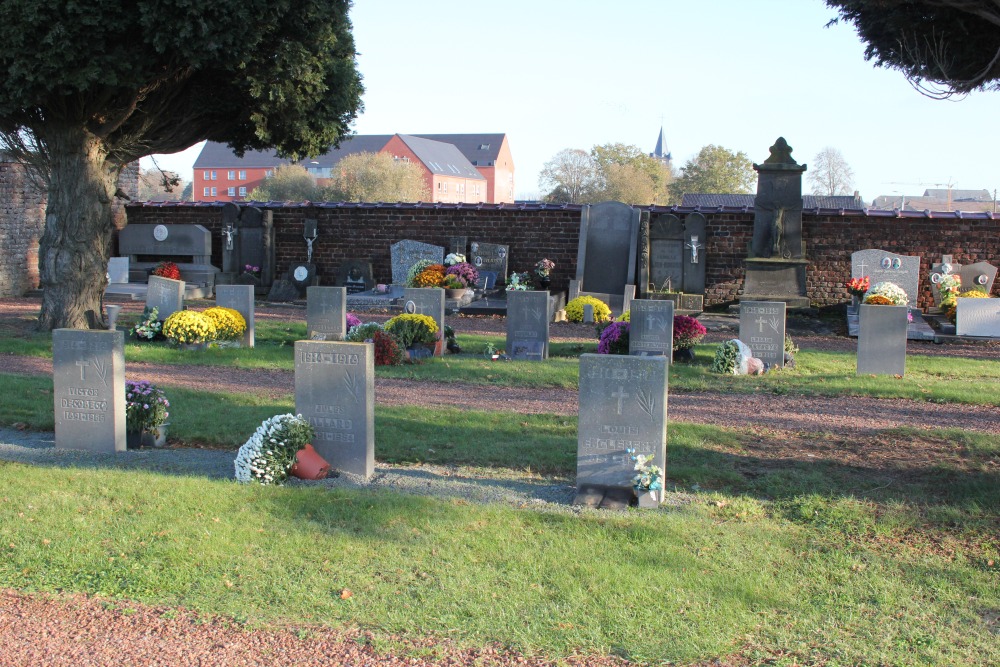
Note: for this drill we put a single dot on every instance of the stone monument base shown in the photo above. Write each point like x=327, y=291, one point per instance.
x=776, y=280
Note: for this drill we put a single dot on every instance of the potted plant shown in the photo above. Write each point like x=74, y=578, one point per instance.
x=189, y=329
x=280, y=446
x=149, y=327
x=688, y=332
x=574, y=309
x=229, y=325
x=425, y=275
x=465, y=272
x=543, y=270
x=648, y=480
x=167, y=270
x=417, y=334
x=614, y=338
x=145, y=415
x=453, y=286
x=519, y=282
x=857, y=288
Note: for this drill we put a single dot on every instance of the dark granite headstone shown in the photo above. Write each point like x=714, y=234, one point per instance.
x=326, y=313
x=355, y=275
x=762, y=329
x=490, y=257
x=241, y=299
x=883, y=266
x=623, y=405
x=425, y=301
x=882, y=340
x=406, y=253
x=165, y=294
x=166, y=241
x=777, y=226
x=676, y=253
x=528, y=325
x=651, y=328
x=255, y=243
x=230, y=231
x=978, y=317
x=458, y=245
x=283, y=291
x=88, y=377
x=487, y=280
x=335, y=391
x=609, y=234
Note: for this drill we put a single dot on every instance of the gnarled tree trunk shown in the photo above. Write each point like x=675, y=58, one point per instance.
x=75, y=246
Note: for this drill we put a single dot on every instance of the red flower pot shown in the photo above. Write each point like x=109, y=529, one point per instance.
x=309, y=464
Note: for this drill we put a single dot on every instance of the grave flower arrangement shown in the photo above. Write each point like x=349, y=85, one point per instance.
x=688, y=332
x=614, y=339
x=648, y=477
x=452, y=282
x=951, y=306
x=145, y=406
x=519, y=282
x=351, y=320
x=574, y=309
x=229, y=323
x=415, y=270
x=858, y=286
x=149, y=325
x=465, y=272
x=411, y=329
x=167, y=270
x=387, y=349
x=430, y=276
x=454, y=258
x=251, y=270
x=544, y=267
x=886, y=294
x=189, y=327
x=362, y=332
x=270, y=452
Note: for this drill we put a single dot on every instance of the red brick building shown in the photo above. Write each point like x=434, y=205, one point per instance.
x=458, y=168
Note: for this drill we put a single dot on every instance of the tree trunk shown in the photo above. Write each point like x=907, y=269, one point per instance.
x=75, y=246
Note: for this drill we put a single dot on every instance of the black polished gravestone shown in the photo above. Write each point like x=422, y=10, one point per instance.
x=326, y=313
x=674, y=254
x=609, y=234
x=426, y=301
x=651, y=328
x=88, y=375
x=528, y=325
x=355, y=275
x=762, y=329
x=490, y=257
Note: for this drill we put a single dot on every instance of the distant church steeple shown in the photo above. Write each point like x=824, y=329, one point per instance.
x=660, y=152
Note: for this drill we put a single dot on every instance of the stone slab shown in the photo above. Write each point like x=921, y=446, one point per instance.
x=88, y=377
x=406, y=253
x=882, y=340
x=426, y=301
x=326, y=313
x=166, y=241
x=528, y=325
x=978, y=317
x=883, y=266
x=609, y=235
x=356, y=276
x=651, y=329
x=762, y=329
x=165, y=294
x=335, y=391
x=118, y=270
x=241, y=299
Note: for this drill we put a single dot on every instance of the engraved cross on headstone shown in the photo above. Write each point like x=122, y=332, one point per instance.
x=620, y=395
x=761, y=322
x=84, y=364
x=861, y=266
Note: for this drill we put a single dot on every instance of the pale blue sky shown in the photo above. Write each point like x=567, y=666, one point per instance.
x=559, y=74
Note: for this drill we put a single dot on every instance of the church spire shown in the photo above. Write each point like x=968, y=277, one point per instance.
x=660, y=152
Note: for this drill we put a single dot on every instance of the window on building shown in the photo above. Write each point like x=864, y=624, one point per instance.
x=232, y=192
x=232, y=175
x=243, y=192
x=213, y=174
x=206, y=191
x=213, y=192
x=268, y=173
x=243, y=174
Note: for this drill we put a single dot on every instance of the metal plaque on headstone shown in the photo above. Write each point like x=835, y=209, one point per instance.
x=528, y=325
x=623, y=405
x=883, y=266
x=426, y=301
x=651, y=328
x=609, y=234
x=977, y=317
x=335, y=391
x=355, y=275
x=241, y=299
x=406, y=253
x=490, y=257
x=882, y=340
x=88, y=376
x=165, y=294
x=762, y=328
x=117, y=270
x=326, y=313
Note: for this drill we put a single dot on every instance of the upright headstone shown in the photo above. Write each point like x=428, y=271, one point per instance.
x=882, y=340
x=623, y=405
x=406, y=253
x=335, y=391
x=938, y=272
x=230, y=230
x=240, y=299
x=426, y=301
x=255, y=243
x=326, y=313
x=490, y=257
x=651, y=328
x=528, y=325
x=609, y=234
x=355, y=275
x=882, y=266
x=88, y=374
x=165, y=294
x=117, y=270
x=676, y=254
x=458, y=244
x=977, y=317
x=980, y=275
x=762, y=329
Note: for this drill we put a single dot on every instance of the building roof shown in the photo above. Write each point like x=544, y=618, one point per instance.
x=661, y=152
x=482, y=150
x=441, y=158
x=959, y=195
x=808, y=201
x=220, y=156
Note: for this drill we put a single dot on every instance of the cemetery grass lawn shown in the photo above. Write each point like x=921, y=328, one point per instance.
x=721, y=575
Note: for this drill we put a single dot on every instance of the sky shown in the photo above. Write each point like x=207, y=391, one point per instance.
x=555, y=74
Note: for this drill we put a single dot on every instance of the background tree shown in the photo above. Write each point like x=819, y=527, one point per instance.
x=830, y=174
x=156, y=185
x=626, y=174
x=569, y=177
x=943, y=47
x=376, y=177
x=715, y=170
x=86, y=88
x=290, y=182
x=188, y=193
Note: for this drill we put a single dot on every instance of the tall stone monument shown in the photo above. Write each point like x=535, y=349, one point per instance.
x=776, y=263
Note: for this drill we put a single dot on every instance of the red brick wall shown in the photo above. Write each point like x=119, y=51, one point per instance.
x=350, y=231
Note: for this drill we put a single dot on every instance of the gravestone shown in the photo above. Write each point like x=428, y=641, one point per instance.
x=406, y=253
x=980, y=275
x=528, y=325
x=240, y=299
x=883, y=266
x=188, y=246
x=651, y=328
x=978, y=317
x=426, y=301
x=165, y=294
x=938, y=272
x=335, y=391
x=487, y=280
x=490, y=257
x=762, y=329
x=88, y=376
x=230, y=259
x=623, y=405
x=675, y=255
x=882, y=340
x=609, y=234
x=117, y=270
x=255, y=244
x=355, y=275
x=326, y=313
x=458, y=244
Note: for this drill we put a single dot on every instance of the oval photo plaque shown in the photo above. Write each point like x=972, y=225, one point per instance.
x=160, y=232
x=300, y=273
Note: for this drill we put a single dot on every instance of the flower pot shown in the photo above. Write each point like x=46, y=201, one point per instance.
x=544, y=282
x=193, y=346
x=155, y=437
x=456, y=293
x=685, y=354
x=133, y=439
x=309, y=464
x=648, y=499
x=424, y=351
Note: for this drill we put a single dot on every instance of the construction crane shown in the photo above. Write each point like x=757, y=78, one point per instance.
x=950, y=184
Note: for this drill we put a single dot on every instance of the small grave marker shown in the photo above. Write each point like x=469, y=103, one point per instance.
x=165, y=294
x=978, y=317
x=651, y=328
x=240, y=299
x=326, y=313
x=88, y=373
x=528, y=325
x=762, y=329
x=882, y=340
x=425, y=301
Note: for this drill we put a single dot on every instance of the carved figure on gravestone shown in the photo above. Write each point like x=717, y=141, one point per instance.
x=777, y=230
x=229, y=231
x=309, y=247
x=694, y=246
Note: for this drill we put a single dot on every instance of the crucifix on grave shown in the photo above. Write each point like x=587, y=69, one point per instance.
x=694, y=246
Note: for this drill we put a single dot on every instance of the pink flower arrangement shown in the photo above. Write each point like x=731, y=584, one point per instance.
x=614, y=339
x=687, y=332
x=467, y=273
x=352, y=320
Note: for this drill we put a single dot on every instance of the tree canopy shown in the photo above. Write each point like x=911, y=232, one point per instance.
x=290, y=182
x=87, y=87
x=609, y=171
x=715, y=170
x=376, y=177
x=943, y=47
x=830, y=174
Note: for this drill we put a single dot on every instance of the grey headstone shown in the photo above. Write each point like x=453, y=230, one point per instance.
x=406, y=253
x=355, y=275
x=588, y=313
x=528, y=325
x=978, y=317
x=980, y=275
x=255, y=242
x=623, y=405
x=490, y=257
x=118, y=270
x=241, y=299
x=777, y=225
x=609, y=234
x=883, y=266
x=882, y=340
x=426, y=301
x=666, y=252
x=651, y=328
x=230, y=231
x=88, y=374
x=695, y=240
x=326, y=313
x=165, y=294
x=335, y=391
x=177, y=240
x=762, y=329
